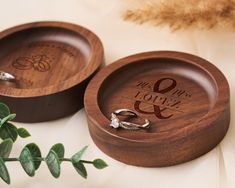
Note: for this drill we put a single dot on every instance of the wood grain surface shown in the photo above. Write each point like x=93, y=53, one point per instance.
x=185, y=98
x=52, y=62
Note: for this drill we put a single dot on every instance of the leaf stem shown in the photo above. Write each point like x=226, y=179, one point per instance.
x=43, y=159
x=10, y=159
x=84, y=161
x=65, y=159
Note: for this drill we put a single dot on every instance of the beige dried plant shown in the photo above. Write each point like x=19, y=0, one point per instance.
x=181, y=14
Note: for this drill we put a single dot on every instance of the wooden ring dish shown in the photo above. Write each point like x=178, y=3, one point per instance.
x=52, y=63
x=185, y=98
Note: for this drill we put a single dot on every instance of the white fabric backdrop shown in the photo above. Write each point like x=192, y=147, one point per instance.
x=216, y=169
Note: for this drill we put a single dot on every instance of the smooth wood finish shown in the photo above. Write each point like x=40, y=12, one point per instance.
x=185, y=97
x=52, y=63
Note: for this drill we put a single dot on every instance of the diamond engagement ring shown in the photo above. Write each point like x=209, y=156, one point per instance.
x=116, y=123
x=6, y=76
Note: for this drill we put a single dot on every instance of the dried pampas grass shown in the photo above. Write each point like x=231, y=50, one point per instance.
x=180, y=14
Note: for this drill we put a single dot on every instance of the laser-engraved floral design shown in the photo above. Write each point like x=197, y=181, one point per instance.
x=40, y=63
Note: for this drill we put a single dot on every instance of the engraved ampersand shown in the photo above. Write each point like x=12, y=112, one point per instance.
x=157, y=111
x=40, y=63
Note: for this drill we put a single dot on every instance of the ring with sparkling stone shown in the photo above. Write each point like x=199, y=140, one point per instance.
x=6, y=76
x=116, y=123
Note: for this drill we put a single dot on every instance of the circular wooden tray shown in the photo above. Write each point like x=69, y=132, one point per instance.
x=52, y=63
x=185, y=97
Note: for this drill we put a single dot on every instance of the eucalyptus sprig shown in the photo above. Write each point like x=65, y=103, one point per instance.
x=7, y=129
x=30, y=157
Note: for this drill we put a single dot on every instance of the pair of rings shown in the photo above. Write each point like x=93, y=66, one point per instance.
x=116, y=122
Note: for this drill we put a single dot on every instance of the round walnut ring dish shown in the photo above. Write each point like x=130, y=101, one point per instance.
x=185, y=98
x=51, y=63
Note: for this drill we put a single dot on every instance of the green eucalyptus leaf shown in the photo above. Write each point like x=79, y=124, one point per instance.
x=5, y=147
x=8, y=130
x=4, y=172
x=7, y=118
x=53, y=163
x=35, y=152
x=80, y=168
x=26, y=161
x=4, y=110
x=59, y=150
x=23, y=133
x=99, y=164
x=77, y=157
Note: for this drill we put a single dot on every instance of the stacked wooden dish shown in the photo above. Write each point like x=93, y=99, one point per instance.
x=52, y=63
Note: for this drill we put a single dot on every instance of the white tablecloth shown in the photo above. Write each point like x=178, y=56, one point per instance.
x=216, y=169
